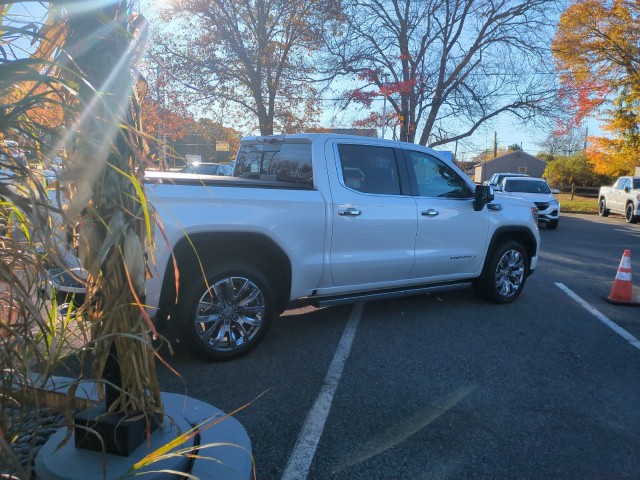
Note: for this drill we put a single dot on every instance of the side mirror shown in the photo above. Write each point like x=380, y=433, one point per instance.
x=626, y=189
x=555, y=191
x=483, y=195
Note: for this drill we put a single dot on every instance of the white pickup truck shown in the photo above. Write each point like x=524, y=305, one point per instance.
x=623, y=198
x=329, y=219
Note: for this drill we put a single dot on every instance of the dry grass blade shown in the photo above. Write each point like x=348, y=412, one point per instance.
x=165, y=451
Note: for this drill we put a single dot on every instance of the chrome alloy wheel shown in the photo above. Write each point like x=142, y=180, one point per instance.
x=230, y=314
x=510, y=273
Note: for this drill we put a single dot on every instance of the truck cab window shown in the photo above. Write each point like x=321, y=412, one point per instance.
x=437, y=179
x=286, y=162
x=625, y=184
x=369, y=169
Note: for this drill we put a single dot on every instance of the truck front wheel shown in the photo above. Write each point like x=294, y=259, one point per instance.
x=629, y=214
x=227, y=313
x=504, y=274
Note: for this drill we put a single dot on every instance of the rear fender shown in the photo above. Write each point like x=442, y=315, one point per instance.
x=199, y=252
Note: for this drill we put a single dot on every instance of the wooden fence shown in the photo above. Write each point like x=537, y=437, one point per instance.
x=577, y=190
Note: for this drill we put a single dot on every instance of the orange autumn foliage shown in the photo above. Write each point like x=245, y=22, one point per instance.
x=597, y=51
x=171, y=122
x=44, y=106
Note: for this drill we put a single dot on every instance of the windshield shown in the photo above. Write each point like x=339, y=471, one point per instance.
x=526, y=186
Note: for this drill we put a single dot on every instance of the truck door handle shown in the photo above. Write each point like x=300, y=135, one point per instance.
x=429, y=213
x=349, y=212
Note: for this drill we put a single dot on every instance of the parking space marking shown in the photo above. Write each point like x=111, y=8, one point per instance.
x=603, y=318
x=628, y=231
x=305, y=448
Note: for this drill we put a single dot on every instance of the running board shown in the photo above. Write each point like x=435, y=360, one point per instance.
x=386, y=294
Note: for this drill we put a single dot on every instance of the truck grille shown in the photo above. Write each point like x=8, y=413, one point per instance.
x=542, y=205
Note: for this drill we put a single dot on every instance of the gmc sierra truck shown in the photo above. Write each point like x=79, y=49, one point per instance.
x=623, y=198
x=328, y=219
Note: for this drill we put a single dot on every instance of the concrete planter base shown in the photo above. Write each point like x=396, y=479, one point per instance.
x=223, y=449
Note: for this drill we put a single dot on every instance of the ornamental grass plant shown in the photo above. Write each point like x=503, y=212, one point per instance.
x=71, y=194
x=68, y=84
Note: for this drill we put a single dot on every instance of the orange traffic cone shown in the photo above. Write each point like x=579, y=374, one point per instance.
x=622, y=288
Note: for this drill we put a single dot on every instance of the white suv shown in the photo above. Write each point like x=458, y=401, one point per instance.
x=536, y=190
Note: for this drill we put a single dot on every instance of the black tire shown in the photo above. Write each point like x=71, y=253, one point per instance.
x=228, y=315
x=504, y=274
x=553, y=224
x=603, y=211
x=629, y=214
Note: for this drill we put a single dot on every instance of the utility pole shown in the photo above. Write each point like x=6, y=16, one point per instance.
x=586, y=135
x=495, y=144
x=163, y=160
x=384, y=76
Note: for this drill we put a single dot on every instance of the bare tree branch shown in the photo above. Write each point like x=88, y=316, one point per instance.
x=455, y=64
x=253, y=54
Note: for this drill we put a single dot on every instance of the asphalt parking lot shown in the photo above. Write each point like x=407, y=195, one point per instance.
x=446, y=385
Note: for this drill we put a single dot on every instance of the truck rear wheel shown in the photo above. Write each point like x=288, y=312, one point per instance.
x=226, y=314
x=629, y=214
x=602, y=208
x=504, y=274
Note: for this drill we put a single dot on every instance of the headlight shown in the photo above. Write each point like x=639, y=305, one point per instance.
x=534, y=214
x=554, y=202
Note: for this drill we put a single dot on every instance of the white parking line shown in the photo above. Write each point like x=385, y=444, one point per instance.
x=628, y=231
x=305, y=448
x=612, y=325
